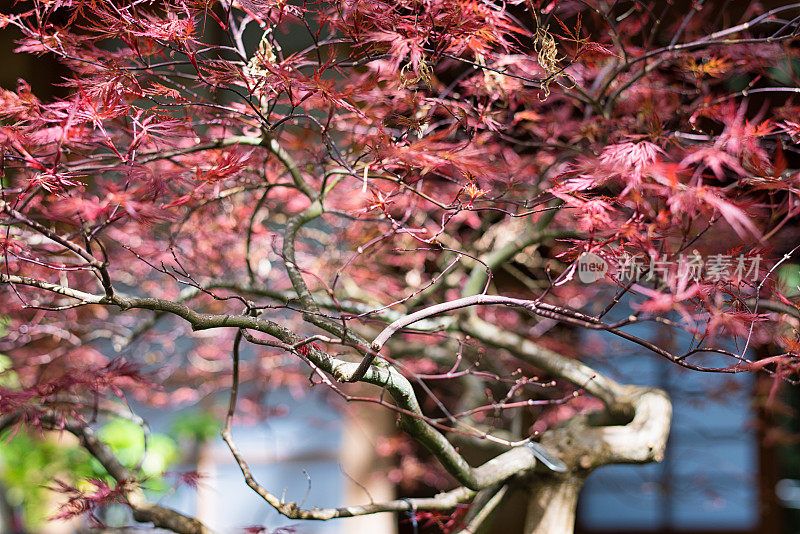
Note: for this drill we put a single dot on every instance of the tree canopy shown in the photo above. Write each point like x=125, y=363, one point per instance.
x=437, y=198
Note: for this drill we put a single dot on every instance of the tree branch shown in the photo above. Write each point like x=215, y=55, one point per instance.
x=398, y=386
x=143, y=510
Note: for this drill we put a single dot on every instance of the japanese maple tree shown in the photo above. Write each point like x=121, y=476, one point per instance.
x=435, y=198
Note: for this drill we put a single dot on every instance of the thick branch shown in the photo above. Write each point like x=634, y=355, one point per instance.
x=307, y=302
x=395, y=383
x=290, y=234
x=586, y=441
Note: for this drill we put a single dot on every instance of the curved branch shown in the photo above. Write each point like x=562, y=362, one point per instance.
x=398, y=386
x=611, y=393
x=585, y=444
x=558, y=313
x=290, y=233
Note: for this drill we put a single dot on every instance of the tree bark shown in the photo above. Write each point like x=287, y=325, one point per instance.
x=585, y=443
x=552, y=505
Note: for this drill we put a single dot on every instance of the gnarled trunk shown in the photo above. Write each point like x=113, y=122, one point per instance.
x=552, y=504
x=585, y=443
